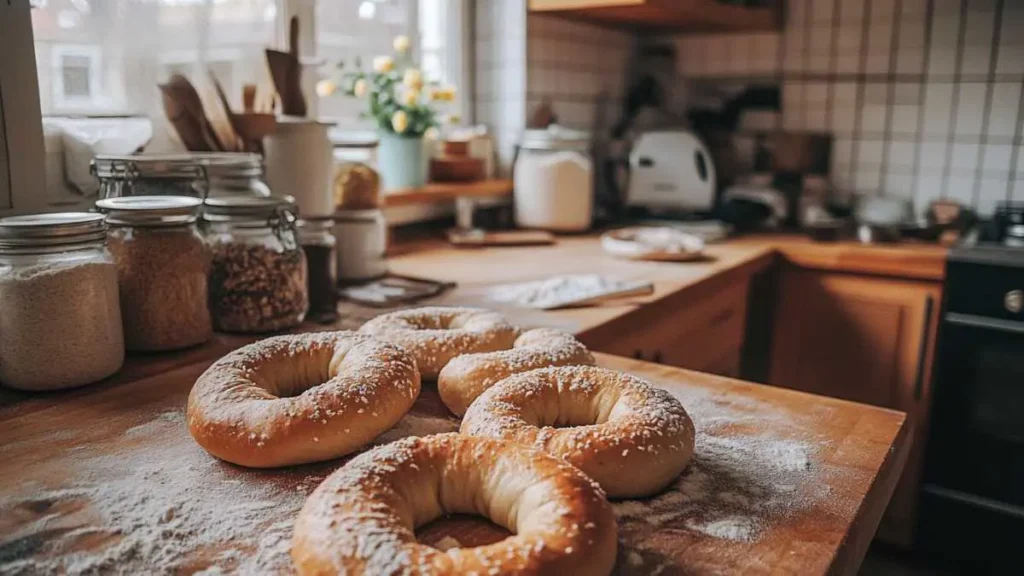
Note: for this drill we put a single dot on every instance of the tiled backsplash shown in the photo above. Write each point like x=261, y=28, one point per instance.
x=580, y=68
x=923, y=97
x=521, y=60
x=500, y=72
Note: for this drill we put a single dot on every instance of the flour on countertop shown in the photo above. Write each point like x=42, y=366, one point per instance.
x=555, y=291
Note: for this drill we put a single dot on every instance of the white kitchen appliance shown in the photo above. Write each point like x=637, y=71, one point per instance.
x=671, y=171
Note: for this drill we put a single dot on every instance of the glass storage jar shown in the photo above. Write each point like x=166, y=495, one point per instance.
x=318, y=243
x=258, y=270
x=235, y=173
x=60, y=321
x=162, y=269
x=150, y=175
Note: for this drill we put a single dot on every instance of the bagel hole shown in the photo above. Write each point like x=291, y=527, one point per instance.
x=300, y=375
x=460, y=531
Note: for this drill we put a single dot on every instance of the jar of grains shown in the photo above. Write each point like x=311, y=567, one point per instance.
x=318, y=243
x=258, y=269
x=162, y=268
x=60, y=322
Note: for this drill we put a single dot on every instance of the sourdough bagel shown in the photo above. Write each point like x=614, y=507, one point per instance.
x=361, y=519
x=434, y=334
x=300, y=398
x=629, y=436
x=467, y=376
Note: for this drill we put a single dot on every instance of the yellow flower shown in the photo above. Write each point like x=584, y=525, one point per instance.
x=325, y=88
x=359, y=88
x=454, y=119
x=383, y=64
x=413, y=79
x=443, y=94
x=432, y=133
x=400, y=121
x=411, y=97
x=401, y=44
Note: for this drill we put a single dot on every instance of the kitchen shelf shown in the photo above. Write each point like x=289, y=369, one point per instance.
x=665, y=15
x=446, y=192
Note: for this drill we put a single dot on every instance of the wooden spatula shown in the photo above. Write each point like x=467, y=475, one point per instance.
x=286, y=73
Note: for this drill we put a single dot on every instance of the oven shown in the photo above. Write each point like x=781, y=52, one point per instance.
x=972, y=507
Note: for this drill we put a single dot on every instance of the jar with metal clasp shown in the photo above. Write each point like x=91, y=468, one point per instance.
x=258, y=274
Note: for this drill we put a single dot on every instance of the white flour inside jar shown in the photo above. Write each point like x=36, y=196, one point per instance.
x=60, y=311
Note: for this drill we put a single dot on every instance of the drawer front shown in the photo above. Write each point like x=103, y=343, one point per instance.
x=715, y=334
x=985, y=290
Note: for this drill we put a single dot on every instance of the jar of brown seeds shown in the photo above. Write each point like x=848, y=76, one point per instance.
x=258, y=270
x=162, y=269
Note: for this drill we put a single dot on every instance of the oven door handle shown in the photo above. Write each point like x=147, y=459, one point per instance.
x=922, y=352
x=972, y=321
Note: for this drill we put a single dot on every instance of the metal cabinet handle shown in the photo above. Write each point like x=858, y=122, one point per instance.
x=638, y=354
x=922, y=353
x=657, y=356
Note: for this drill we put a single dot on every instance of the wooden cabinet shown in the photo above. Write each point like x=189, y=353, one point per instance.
x=704, y=334
x=665, y=15
x=864, y=339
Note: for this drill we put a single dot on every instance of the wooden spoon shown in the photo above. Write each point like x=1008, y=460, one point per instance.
x=188, y=98
x=286, y=73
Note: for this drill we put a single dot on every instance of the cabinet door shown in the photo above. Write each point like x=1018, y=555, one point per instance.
x=852, y=337
x=863, y=339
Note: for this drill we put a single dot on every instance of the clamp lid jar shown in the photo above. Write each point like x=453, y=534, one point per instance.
x=58, y=286
x=162, y=268
x=258, y=269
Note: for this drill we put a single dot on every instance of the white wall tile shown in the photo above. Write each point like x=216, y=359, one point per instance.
x=964, y=156
x=997, y=159
x=979, y=28
x=902, y=154
x=970, y=109
x=938, y=105
x=990, y=192
x=905, y=119
x=933, y=155
x=898, y=184
x=870, y=152
x=1011, y=57
x=1002, y=118
x=873, y=118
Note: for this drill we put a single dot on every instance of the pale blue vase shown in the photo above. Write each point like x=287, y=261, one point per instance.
x=401, y=161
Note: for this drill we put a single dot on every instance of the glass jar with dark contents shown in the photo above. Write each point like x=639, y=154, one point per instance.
x=319, y=244
x=258, y=270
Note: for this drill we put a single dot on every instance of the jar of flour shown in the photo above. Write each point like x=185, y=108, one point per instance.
x=60, y=319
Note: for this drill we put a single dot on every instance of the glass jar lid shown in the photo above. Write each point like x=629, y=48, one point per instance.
x=134, y=166
x=150, y=211
x=243, y=209
x=555, y=137
x=231, y=164
x=48, y=230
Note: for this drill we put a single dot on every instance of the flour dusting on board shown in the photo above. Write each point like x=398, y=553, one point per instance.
x=739, y=482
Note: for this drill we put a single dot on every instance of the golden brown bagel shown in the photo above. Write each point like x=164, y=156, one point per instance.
x=467, y=376
x=301, y=398
x=435, y=334
x=361, y=519
x=629, y=436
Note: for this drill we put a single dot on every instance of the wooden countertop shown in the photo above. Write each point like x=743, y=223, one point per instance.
x=111, y=469
x=782, y=482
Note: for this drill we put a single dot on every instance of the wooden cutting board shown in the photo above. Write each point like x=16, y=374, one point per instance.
x=109, y=479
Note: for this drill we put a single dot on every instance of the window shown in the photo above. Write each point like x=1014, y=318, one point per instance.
x=105, y=57
x=354, y=31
